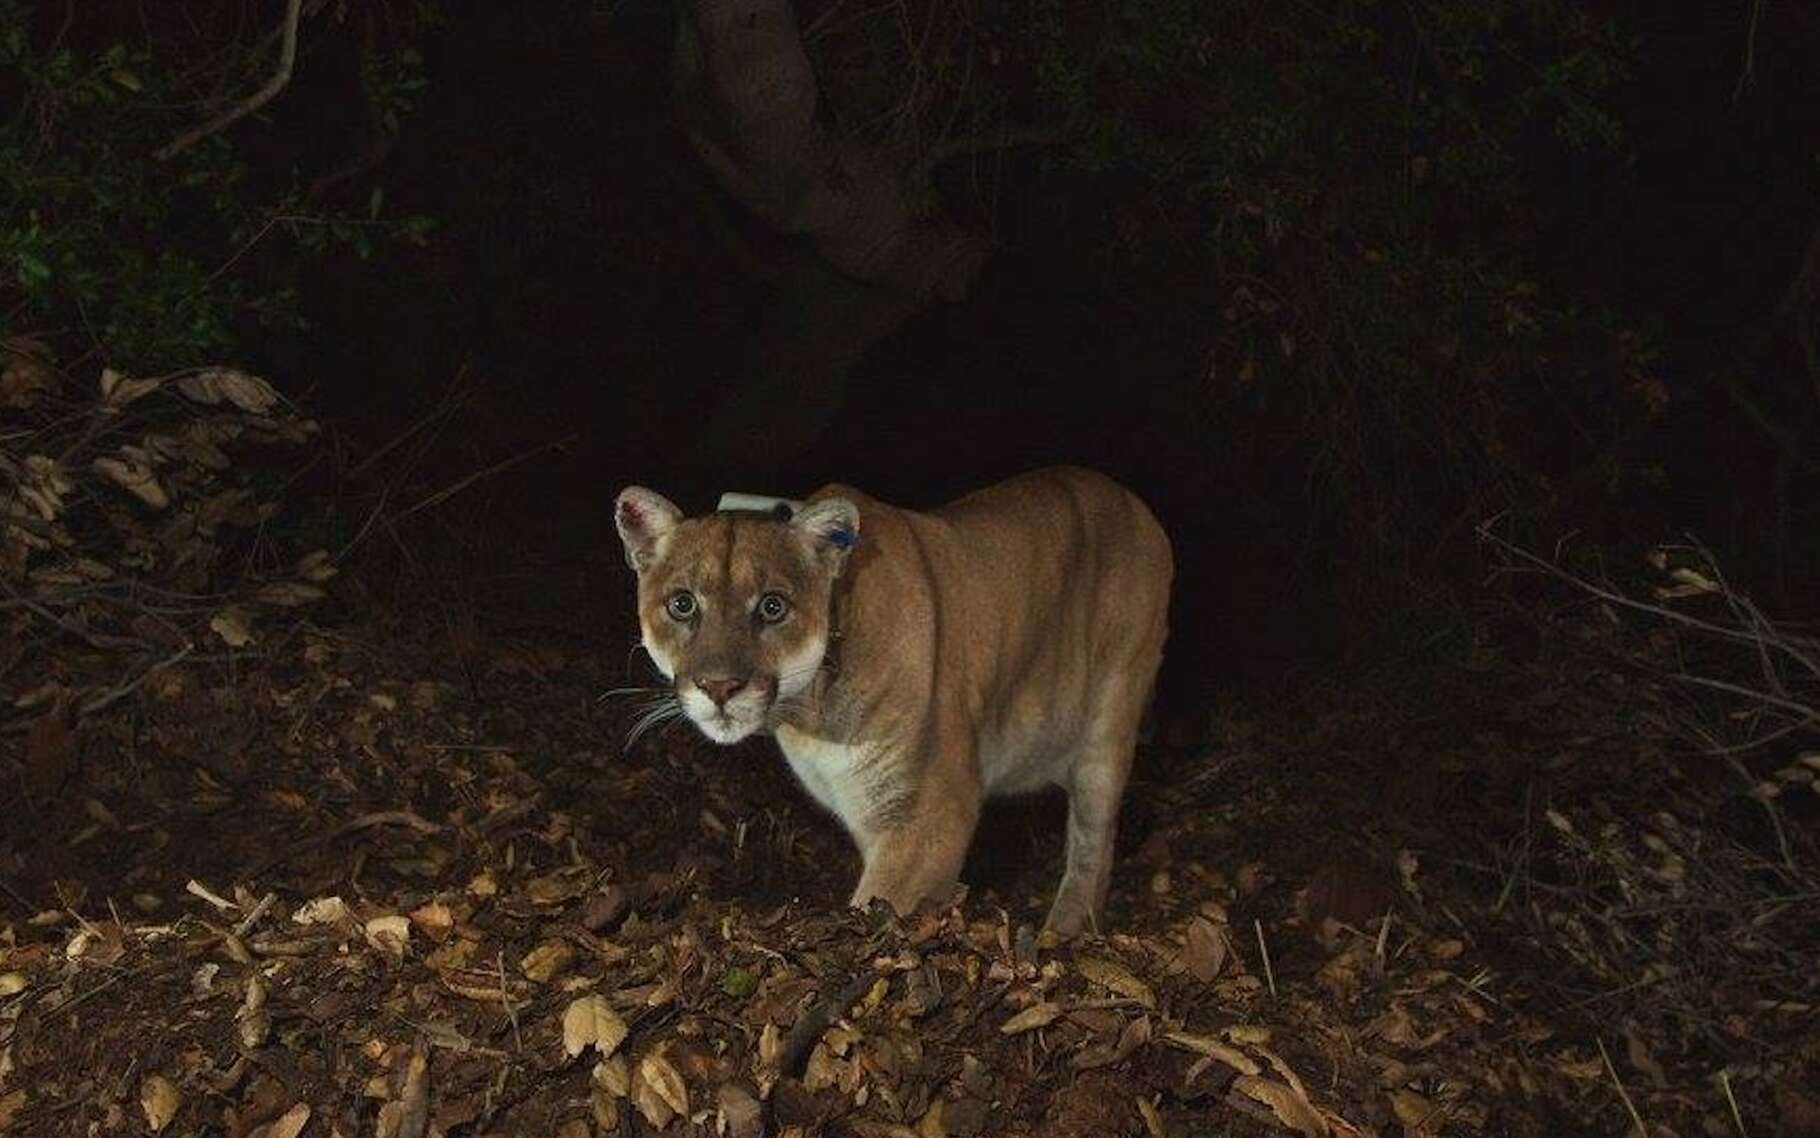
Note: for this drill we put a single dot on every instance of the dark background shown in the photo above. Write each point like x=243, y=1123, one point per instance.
x=1468, y=303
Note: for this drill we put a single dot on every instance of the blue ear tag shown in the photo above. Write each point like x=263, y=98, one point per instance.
x=842, y=538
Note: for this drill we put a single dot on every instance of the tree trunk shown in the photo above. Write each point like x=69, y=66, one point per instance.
x=869, y=260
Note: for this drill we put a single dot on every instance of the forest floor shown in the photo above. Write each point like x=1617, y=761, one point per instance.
x=377, y=884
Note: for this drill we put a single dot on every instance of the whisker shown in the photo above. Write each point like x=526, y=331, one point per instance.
x=616, y=692
x=666, y=711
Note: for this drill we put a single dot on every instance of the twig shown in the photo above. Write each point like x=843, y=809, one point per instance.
x=114, y=695
x=366, y=527
x=461, y=484
x=257, y=913
x=950, y=149
x=1622, y=1093
x=6, y=887
x=1784, y=643
x=1807, y=714
x=1270, y=976
x=818, y=1019
x=817, y=25
x=94, y=639
x=449, y=404
x=1731, y=1100
x=198, y=889
x=505, y=1000
x=85, y=997
x=1522, y=863
x=287, y=61
x=1749, y=68
x=365, y=821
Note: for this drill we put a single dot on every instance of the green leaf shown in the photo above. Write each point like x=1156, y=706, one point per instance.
x=738, y=983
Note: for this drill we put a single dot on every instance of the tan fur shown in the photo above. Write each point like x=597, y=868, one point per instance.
x=1003, y=643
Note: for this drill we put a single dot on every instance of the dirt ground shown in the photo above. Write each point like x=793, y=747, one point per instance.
x=401, y=885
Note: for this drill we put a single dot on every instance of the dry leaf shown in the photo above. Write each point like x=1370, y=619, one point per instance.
x=740, y=1115
x=1591, y=1068
x=547, y=961
x=658, y=1091
x=591, y=1021
x=822, y=1070
x=1204, y=952
x=44, y=486
x=11, y=983
x=407, y=1116
x=1214, y=1049
x=290, y=1123
x=11, y=1105
x=1417, y=1115
x=316, y=566
x=1135, y=1034
x=1291, y=1109
x=389, y=934
x=1115, y=976
x=1031, y=1018
x=613, y=1076
x=26, y=371
x=288, y=594
x=50, y=751
x=933, y=1124
x=435, y=919
x=323, y=911
x=253, y=1029
x=117, y=390
x=605, y=1110
x=159, y=1099
x=134, y=476
x=1153, y=1122
x=234, y=624
x=770, y=1045
x=213, y=385
x=255, y=1022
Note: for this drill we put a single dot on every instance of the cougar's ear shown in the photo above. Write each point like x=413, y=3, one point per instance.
x=832, y=527
x=642, y=517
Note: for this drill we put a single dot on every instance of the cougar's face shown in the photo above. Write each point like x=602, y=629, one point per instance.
x=733, y=608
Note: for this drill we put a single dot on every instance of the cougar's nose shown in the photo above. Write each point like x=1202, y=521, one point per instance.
x=720, y=689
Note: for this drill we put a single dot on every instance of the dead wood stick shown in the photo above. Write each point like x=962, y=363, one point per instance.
x=287, y=61
x=113, y=695
x=818, y=1019
x=466, y=481
x=365, y=821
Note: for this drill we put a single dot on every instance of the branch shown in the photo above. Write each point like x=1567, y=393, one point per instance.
x=951, y=149
x=287, y=59
x=1795, y=647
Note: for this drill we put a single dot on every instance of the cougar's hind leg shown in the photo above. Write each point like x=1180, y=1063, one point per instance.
x=1095, y=787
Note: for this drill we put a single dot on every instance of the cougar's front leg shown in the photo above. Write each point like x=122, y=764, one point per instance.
x=918, y=856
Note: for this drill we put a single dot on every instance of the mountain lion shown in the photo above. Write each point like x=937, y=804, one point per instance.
x=911, y=664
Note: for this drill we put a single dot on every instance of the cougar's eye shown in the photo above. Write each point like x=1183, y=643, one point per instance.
x=681, y=605
x=772, y=607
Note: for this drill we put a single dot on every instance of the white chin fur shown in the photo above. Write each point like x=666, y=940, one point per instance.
x=725, y=731
x=743, y=715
